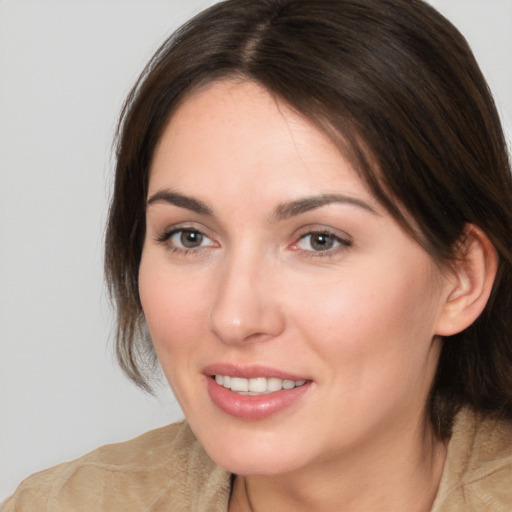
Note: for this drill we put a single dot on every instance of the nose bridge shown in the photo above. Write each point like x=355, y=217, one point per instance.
x=244, y=307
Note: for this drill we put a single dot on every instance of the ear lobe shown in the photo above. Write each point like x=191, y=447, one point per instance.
x=470, y=283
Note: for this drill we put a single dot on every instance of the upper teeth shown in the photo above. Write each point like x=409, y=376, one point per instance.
x=258, y=385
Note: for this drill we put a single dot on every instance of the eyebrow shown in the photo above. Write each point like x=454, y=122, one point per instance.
x=306, y=204
x=282, y=212
x=166, y=196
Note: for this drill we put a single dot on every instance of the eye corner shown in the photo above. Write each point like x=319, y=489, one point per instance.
x=327, y=242
x=185, y=240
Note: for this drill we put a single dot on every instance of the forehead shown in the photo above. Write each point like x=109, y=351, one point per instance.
x=234, y=135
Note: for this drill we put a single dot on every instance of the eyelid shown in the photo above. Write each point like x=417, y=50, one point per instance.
x=165, y=235
x=164, y=231
x=320, y=228
x=344, y=240
x=182, y=231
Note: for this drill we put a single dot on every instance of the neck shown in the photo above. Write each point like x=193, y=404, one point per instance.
x=388, y=477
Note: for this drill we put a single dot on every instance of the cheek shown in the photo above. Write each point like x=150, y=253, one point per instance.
x=175, y=310
x=371, y=323
x=174, y=306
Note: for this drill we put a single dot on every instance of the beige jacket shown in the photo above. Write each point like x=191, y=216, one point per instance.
x=167, y=470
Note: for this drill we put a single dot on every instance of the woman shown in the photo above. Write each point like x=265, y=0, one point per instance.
x=310, y=230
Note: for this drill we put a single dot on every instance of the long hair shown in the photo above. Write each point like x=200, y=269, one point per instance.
x=396, y=86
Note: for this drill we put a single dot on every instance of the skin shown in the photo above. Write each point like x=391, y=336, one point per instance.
x=358, y=320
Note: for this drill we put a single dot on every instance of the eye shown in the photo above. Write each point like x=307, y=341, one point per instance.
x=185, y=239
x=321, y=241
x=189, y=239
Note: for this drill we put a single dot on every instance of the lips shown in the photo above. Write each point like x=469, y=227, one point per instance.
x=250, y=372
x=258, y=385
x=253, y=393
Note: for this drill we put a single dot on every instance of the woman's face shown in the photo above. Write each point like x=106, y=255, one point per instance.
x=268, y=264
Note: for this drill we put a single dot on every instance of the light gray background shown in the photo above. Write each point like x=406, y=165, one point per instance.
x=65, y=67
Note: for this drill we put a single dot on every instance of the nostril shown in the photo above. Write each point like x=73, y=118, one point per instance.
x=243, y=311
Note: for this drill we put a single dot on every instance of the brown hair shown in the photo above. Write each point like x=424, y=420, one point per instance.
x=396, y=85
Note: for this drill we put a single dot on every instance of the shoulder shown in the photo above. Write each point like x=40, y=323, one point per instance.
x=162, y=467
x=478, y=469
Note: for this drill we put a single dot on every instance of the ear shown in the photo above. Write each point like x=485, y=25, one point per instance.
x=469, y=283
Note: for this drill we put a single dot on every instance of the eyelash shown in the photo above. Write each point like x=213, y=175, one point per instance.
x=165, y=239
x=342, y=243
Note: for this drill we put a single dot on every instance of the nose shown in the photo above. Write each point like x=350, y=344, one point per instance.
x=245, y=306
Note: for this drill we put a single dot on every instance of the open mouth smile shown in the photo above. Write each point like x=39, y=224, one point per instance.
x=258, y=385
x=253, y=393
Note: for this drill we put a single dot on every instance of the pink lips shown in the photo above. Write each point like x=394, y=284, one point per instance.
x=252, y=407
x=249, y=372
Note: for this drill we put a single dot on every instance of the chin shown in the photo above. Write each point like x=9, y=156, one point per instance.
x=249, y=451
x=255, y=464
